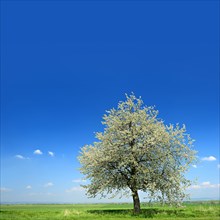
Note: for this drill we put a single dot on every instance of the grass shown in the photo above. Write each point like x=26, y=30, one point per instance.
x=192, y=210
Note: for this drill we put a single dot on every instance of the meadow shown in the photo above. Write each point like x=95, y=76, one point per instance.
x=190, y=210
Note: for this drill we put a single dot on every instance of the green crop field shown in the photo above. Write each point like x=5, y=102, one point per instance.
x=193, y=210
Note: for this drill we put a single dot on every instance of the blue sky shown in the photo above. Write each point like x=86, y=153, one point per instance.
x=64, y=63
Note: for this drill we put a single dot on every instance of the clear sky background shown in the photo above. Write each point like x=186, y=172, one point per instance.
x=64, y=63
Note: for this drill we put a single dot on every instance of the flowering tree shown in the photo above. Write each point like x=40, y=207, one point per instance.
x=138, y=152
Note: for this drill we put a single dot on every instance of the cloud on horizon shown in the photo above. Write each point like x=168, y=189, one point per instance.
x=78, y=181
x=50, y=153
x=49, y=184
x=18, y=156
x=38, y=152
x=210, y=158
x=204, y=185
x=4, y=189
x=75, y=189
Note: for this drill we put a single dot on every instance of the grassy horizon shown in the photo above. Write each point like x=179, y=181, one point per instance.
x=190, y=210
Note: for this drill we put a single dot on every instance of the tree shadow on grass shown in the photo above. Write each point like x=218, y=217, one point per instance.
x=145, y=213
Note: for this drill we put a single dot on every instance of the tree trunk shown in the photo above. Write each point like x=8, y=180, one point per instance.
x=136, y=202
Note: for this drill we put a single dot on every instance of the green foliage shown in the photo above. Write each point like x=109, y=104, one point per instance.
x=195, y=211
x=137, y=151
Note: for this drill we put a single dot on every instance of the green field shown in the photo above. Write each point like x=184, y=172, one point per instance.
x=193, y=210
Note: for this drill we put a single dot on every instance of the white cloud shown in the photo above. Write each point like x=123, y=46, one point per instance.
x=195, y=187
x=4, y=189
x=51, y=153
x=210, y=158
x=78, y=181
x=18, y=156
x=195, y=166
x=49, y=184
x=38, y=152
x=75, y=189
x=204, y=185
x=28, y=187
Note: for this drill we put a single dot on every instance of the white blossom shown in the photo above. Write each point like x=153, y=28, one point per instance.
x=137, y=151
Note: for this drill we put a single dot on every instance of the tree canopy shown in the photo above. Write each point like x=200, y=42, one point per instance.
x=138, y=152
